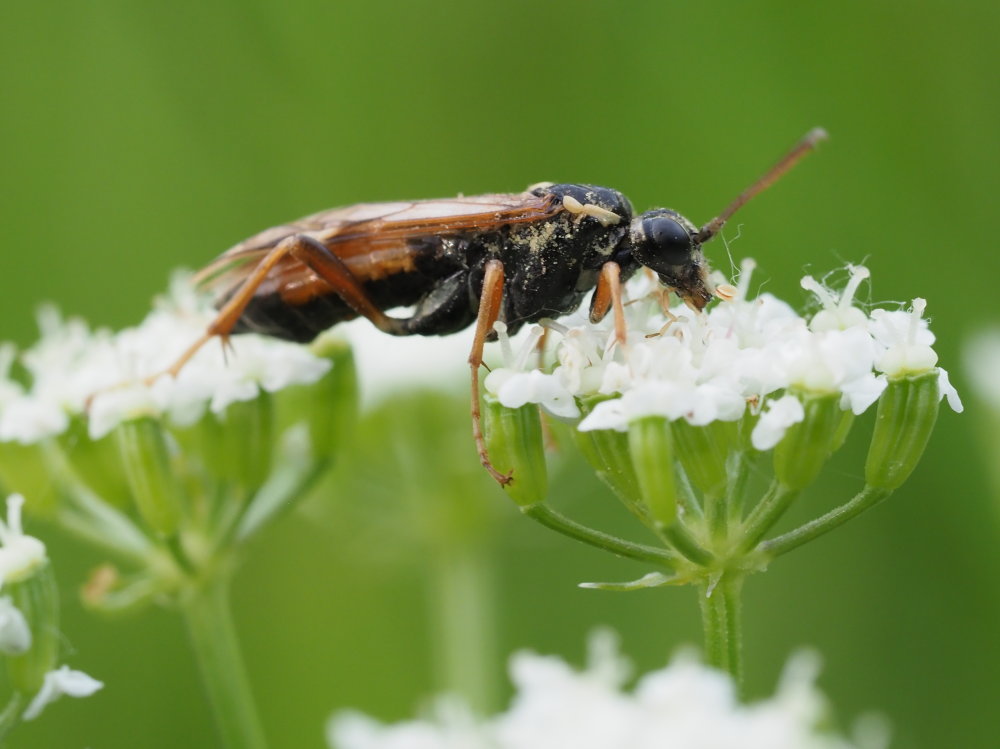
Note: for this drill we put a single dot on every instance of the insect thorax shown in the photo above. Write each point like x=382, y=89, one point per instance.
x=552, y=264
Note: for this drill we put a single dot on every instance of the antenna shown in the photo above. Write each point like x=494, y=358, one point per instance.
x=790, y=159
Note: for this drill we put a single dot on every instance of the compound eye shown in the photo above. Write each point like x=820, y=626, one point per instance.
x=671, y=241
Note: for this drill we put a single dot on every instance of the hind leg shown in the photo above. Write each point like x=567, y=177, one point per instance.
x=489, y=311
x=317, y=258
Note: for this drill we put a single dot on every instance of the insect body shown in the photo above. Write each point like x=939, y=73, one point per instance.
x=553, y=242
x=520, y=257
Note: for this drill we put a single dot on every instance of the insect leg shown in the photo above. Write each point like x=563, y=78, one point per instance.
x=608, y=294
x=231, y=311
x=320, y=260
x=489, y=311
x=314, y=254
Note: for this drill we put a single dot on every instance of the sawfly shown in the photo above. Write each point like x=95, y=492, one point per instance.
x=516, y=257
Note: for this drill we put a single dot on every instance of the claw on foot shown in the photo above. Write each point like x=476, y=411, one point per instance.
x=501, y=478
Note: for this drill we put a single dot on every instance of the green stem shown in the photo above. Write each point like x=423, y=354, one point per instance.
x=767, y=512
x=279, y=496
x=688, y=499
x=866, y=498
x=739, y=474
x=87, y=515
x=732, y=588
x=11, y=714
x=717, y=515
x=463, y=612
x=721, y=618
x=88, y=529
x=558, y=522
x=213, y=636
x=682, y=540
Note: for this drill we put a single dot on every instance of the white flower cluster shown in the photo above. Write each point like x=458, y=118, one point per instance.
x=73, y=368
x=744, y=353
x=683, y=706
x=982, y=360
x=21, y=556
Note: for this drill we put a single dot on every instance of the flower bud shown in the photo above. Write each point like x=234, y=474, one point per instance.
x=843, y=429
x=515, y=444
x=37, y=599
x=155, y=487
x=107, y=592
x=905, y=418
x=248, y=434
x=330, y=405
x=607, y=452
x=96, y=461
x=703, y=452
x=651, y=446
x=807, y=445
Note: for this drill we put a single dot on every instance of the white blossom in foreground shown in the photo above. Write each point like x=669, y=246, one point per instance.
x=15, y=634
x=741, y=356
x=982, y=360
x=73, y=368
x=683, y=706
x=62, y=681
x=20, y=554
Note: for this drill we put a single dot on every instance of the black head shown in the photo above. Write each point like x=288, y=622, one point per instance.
x=669, y=245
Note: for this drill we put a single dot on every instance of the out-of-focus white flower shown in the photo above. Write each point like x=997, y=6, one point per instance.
x=15, y=634
x=63, y=680
x=982, y=365
x=9, y=390
x=682, y=706
x=449, y=724
x=20, y=555
x=73, y=368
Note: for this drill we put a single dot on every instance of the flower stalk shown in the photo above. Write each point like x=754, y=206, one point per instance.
x=722, y=623
x=171, y=474
x=207, y=615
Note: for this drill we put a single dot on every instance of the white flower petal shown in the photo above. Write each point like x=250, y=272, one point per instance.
x=536, y=387
x=20, y=555
x=15, y=635
x=111, y=407
x=30, y=418
x=948, y=391
x=860, y=393
x=605, y=415
x=775, y=420
x=62, y=681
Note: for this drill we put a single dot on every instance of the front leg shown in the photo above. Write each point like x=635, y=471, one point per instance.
x=489, y=310
x=609, y=294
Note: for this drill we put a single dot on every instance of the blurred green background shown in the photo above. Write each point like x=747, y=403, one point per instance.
x=136, y=137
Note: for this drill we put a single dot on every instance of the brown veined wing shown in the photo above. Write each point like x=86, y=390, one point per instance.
x=372, y=239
